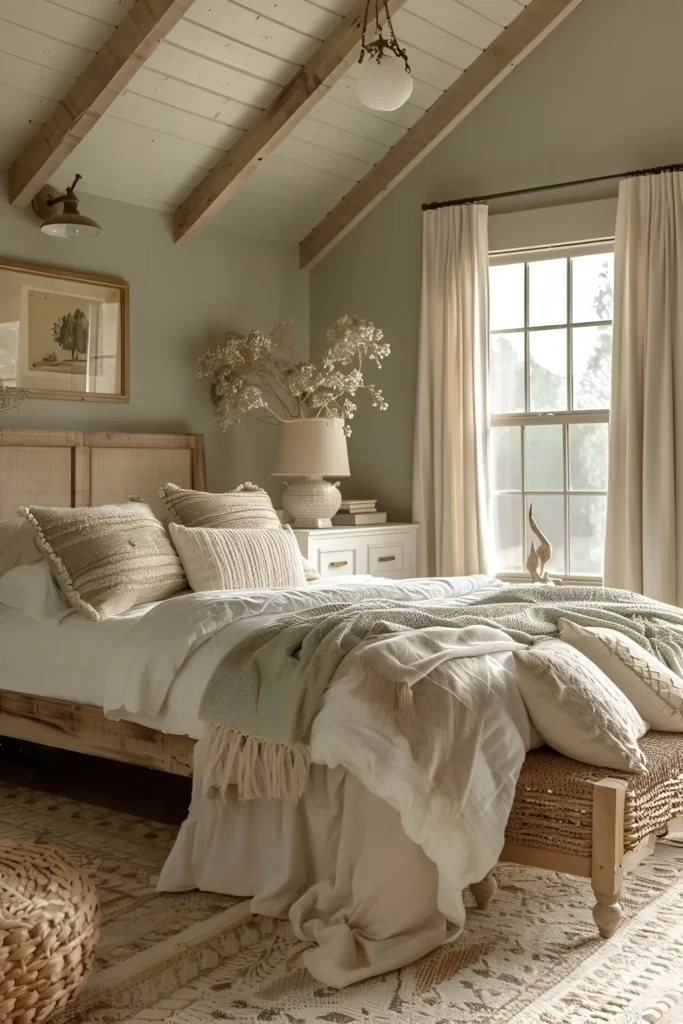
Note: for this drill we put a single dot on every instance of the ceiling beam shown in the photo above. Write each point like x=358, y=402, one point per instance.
x=530, y=27
x=297, y=99
x=93, y=92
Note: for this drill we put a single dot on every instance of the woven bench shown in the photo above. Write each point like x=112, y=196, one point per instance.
x=568, y=816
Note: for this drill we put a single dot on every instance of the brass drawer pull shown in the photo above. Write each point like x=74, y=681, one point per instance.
x=337, y=565
x=387, y=558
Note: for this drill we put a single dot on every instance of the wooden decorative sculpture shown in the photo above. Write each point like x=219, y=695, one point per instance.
x=539, y=557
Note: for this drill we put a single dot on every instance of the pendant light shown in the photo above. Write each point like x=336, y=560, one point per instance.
x=385, y=82
x=60, y=216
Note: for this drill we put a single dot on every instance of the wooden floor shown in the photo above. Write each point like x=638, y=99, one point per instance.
x=154, y=795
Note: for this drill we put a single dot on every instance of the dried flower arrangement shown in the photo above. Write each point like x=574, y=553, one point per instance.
x=11, y=398
x=258, y=373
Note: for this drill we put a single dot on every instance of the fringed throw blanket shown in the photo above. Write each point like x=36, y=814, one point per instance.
x=262, y=698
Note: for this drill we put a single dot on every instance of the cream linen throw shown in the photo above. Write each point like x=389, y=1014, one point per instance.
x=644, y=537
x=263, y=696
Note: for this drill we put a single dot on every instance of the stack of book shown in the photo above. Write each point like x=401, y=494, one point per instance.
x=359, y=512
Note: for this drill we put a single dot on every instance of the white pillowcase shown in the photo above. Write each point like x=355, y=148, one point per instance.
x=577, y=710
x=238, y=559
x=31, y=589
x=17, y=544
x=654, y=690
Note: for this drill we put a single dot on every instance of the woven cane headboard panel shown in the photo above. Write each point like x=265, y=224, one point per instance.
x=67, y=467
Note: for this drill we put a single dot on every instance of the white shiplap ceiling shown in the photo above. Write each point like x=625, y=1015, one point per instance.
x=213, y=75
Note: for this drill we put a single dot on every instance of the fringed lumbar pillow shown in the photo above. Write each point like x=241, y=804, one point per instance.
x=576, y=709
x=108, y=558
x=247, y=508
x=239, y=559
x=654, y=690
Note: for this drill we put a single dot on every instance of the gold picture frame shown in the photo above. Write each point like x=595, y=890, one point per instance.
x=64, y=334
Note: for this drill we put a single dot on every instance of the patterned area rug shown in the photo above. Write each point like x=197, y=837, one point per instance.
x=121, y=854
x=532, y=958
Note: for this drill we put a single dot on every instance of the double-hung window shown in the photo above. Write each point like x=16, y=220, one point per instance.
x=550, y=370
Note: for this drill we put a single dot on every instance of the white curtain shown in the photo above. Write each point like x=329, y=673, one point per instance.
x=644, y=540
x=450, y=478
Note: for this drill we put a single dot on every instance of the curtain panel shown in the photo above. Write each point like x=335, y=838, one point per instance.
x=450, y=473
x=644, y=536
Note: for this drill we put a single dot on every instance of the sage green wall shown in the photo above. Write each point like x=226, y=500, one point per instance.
x=183, y=298
x=602, y=94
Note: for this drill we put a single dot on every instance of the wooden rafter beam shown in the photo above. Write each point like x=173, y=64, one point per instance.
x=296, y=100
x=93, y=92
x=531, y=26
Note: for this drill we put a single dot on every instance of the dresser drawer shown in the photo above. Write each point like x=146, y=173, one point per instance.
x=390, y=555
x=337, y=563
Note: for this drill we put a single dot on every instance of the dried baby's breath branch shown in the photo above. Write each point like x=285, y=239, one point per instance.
x=258, y=373
x=11, y=398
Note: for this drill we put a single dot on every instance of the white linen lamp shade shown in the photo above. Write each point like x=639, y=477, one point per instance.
x=307, y=451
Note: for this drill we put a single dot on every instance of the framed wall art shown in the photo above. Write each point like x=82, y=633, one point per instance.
x=63, y=334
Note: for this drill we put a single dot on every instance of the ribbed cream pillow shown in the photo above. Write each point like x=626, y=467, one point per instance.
x=239, y=559
x=248, y=508
x=577, y=709
x=654, y=690
x=108, y=558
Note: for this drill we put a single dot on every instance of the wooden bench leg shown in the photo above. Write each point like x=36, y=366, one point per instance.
x=484, y=891
x=609, y=799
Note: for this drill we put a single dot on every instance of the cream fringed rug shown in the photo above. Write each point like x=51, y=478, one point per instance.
x=532, y=958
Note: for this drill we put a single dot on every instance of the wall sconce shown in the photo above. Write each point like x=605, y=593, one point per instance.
x=60, y=216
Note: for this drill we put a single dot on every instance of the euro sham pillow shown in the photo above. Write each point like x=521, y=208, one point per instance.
x=576, y=709
x=31, y=589
x=247, y=508
x=655, y=690
x=108, y=558
x=17, y=544
x=238, y=559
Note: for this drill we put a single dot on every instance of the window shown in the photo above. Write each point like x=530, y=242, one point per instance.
x=550, y=370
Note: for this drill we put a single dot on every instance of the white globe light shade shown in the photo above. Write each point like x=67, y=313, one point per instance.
x=385, y=85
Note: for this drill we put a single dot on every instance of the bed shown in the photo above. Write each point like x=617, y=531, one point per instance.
x=71, y=468
x=565, y=816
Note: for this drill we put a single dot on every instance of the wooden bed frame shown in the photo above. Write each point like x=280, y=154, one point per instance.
x=70, y=468
x=51, y=467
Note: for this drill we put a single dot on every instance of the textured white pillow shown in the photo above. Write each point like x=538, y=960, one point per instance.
x=32, y=590
x=577, y=709
x=17, y=544
x=238, y=559
x=310, y=571
x=654, y=690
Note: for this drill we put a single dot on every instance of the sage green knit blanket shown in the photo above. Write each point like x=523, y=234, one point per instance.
x=263, y=696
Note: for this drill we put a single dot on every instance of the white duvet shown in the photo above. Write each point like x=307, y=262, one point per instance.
x=350, y=900
x=364, y=867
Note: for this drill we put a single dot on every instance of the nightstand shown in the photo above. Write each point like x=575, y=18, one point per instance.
x=386, y=550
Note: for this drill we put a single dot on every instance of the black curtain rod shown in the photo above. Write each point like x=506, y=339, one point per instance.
x=550, y=188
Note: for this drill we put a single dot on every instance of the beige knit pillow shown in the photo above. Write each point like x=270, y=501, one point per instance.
x=247, y=508
x=577, y=709
x=654, y=690
x=108, y=558
x=239, y=559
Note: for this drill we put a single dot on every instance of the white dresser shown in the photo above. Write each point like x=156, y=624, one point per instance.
x=386, y=550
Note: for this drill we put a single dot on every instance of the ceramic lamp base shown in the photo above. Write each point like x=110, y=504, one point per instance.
x=311, y=502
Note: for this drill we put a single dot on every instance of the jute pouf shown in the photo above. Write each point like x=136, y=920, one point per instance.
x=49, y=926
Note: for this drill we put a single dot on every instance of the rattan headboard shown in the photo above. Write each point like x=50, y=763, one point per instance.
x=67, y=467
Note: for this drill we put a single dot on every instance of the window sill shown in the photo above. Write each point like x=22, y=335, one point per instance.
x=523, y=579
